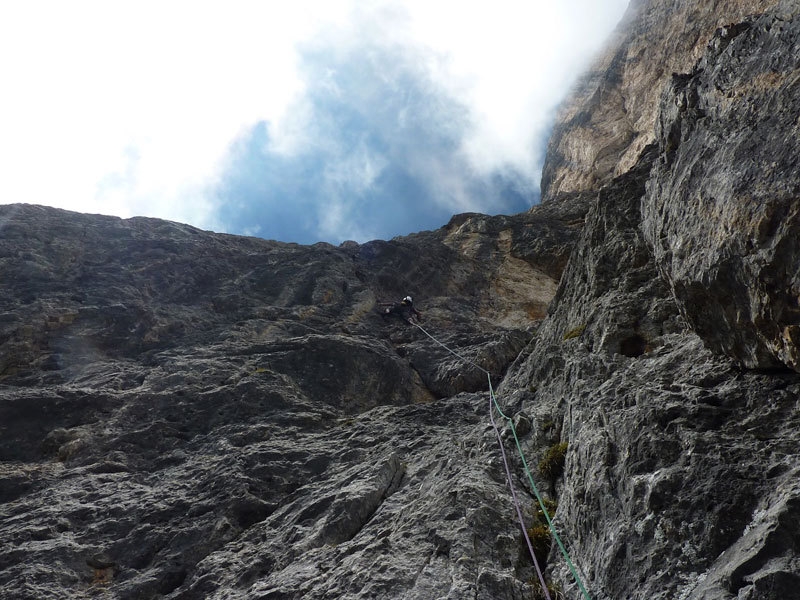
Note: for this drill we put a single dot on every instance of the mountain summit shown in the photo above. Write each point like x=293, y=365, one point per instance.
x=189, y=415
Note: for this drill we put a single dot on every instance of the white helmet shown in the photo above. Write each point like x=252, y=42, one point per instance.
x=408, y=299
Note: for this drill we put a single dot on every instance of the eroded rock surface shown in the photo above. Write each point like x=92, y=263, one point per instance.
x=657, y=360
x=680, y=479
x=611, y=115
x=191, y=415
x=722, y=212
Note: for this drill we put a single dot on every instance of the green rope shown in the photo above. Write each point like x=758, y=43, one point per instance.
x=564, y=552
x=571, y=566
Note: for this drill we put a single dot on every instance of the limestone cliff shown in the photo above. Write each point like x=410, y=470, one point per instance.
x=188, y=415
x=669, y=355
x=611, y=115
x=191, y=415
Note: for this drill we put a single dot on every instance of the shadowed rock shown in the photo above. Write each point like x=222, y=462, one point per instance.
x=232, y=417
x=722, y=212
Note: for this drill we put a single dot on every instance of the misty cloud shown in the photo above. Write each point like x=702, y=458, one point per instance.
x=373, y=149
x=309, y=120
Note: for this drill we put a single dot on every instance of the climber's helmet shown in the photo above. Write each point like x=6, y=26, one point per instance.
x=408, y=300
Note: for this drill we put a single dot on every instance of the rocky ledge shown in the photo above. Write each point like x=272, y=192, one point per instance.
x=192, y=415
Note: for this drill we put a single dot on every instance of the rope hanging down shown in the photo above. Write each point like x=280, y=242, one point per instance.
x=505, y=463
x=493, y=401
x=552, y=527
x=516, y=503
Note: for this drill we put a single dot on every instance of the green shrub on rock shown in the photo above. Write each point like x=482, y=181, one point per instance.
x=552, y=464
x=574, y=332
x=539, y=535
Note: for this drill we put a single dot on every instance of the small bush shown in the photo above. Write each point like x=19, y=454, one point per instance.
x=552, y=465
x=574, y=332
x=539, y=535
x=553, y=589
x=550, y=505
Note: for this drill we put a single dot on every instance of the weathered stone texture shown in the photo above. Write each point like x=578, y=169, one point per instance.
x=230, y=417
x=723, y=209
x=611, y=115
x=679, y=479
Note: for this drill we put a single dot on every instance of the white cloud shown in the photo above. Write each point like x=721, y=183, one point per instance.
x=130, y=108
x=511, y=62
x=357, y=170
x=127, y=108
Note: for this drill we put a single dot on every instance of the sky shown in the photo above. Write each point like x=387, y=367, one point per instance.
x=301, y=121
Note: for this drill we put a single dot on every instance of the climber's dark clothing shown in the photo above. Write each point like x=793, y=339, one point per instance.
x=405, y=310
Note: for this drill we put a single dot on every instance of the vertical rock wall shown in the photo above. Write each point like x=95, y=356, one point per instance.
x=723, y=207
x=611, y=115
x=667, y=361
x=186, y=415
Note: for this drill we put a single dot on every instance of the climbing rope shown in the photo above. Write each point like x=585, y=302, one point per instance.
x=450, y=350
x=493, y=402
x=516, y=503
x=564, y=552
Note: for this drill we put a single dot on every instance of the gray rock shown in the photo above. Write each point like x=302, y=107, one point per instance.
x=192, y=415
x=679, y=479
x=679, y=474
x=722, y=212
x=602, y=127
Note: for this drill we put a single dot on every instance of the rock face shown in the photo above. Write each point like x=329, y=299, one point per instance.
x=188, y=415
x=191, y=415
x=681, y=480
x=611, y=116
x=668, y=355
x=722, y=212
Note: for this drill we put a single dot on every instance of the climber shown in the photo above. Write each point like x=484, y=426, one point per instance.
x=405, y=310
